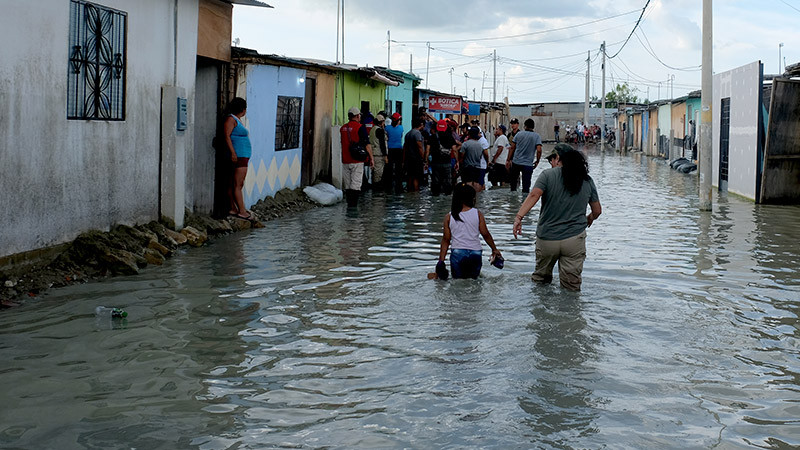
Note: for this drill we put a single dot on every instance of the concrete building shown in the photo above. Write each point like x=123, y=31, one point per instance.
x=737, y=127
x=97, y=132
x=546, y=115
x=290, y=107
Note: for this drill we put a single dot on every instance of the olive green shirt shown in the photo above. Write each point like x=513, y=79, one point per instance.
x=562, y=214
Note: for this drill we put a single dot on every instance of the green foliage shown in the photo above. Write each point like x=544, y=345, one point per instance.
x=622, y=93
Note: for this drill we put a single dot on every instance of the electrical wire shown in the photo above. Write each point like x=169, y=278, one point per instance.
x=634, y=29
x=790, y=6
x=513, y=36
x=652, y=53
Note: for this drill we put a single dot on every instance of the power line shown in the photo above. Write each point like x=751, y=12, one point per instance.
x=634, y=29
x=790, y=6
x=652, y=53
x=520, y=35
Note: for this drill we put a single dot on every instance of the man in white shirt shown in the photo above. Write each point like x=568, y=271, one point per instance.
x=498, y=174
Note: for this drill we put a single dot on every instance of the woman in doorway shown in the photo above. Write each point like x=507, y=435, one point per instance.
x=237, y=139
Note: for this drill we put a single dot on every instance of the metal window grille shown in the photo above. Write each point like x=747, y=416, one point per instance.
x=287, y=124
x=96, y=73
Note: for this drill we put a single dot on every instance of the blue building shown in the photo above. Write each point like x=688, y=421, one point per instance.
x=400, y=98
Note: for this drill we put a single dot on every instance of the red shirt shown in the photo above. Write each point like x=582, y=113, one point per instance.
x=350, y=133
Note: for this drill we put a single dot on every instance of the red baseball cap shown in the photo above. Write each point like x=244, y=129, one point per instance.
x=396, y=116
x=441, y=125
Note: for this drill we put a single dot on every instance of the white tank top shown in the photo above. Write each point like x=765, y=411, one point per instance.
x=465, y=234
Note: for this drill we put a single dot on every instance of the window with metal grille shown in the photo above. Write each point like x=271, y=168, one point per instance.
x=96, y=80
x=287, y=123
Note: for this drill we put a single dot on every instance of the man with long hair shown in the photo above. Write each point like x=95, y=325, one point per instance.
x=566, y=190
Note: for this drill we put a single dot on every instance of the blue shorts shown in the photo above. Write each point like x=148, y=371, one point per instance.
x=465, y=263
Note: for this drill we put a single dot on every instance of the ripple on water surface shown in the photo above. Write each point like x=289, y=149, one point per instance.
x=321, y=330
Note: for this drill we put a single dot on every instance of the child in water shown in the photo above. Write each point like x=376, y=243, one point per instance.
x=463, y=227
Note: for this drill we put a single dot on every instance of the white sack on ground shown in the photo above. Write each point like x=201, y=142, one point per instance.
x=324, y=194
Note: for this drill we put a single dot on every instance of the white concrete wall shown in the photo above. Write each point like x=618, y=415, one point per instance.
x=743, y=87
x=62, y=177
x=665, y=119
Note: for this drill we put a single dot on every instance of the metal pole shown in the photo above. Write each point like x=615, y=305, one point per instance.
x=494, y=86
x=706, y=111
x=427, y=64
x=586, y=104
x=780, y=70
x=342, y=31
x=483, y=83
x=451, y=79
x=466, y=92
x=338, y=15
x=603, y=108
x=388, y=49
x=411, y=63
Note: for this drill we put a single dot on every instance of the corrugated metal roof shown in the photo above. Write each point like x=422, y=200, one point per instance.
x=248, y=3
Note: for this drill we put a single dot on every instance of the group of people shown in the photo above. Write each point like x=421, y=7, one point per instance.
x=438, y=152
x=582, y=133
x=448, y=152
x=566, y=189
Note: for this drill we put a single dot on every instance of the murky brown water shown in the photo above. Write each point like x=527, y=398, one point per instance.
x=322, y=331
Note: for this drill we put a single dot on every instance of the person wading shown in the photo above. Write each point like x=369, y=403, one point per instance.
x=525, y=146
x=565, y=190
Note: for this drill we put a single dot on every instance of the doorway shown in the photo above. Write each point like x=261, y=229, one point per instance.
x=306, y=175
x=724, y=142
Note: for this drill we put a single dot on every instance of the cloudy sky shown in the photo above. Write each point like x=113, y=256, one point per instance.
x=541, y=45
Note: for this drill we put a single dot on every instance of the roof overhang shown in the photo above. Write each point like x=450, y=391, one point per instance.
x=248, y=3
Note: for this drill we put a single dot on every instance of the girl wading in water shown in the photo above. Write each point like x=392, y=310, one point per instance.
x=565, y=189
x=463, y=228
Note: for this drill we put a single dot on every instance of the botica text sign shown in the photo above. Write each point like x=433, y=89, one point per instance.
x=439, y=104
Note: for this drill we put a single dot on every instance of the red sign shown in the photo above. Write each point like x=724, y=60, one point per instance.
x=451, y=105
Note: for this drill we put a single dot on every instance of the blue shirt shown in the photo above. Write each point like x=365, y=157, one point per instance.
x=395, y=135
x=240, y=138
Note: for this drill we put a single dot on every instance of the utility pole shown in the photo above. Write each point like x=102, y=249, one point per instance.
x=659, y=91
x=466, y=92
x=780, y=70
x=603, y=110
x=483, y=83
x=586, y=105
x=388, y=49
x=672, y=87
x=427, y=64
x=338, y=13
x=411, y=64
x=705, y=111
x=342, y=31
x=494, y=85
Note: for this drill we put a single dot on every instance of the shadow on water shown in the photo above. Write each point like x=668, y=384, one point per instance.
x=321, y=330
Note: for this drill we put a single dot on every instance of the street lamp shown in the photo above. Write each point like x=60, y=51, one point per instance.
x=780, y=70
x=451, y=78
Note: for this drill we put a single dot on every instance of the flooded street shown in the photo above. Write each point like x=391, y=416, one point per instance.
x=321, y=330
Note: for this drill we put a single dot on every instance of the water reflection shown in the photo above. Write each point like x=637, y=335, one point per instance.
x=321, y=330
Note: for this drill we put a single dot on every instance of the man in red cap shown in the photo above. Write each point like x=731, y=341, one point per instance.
x=394, y=134
x=443, y=149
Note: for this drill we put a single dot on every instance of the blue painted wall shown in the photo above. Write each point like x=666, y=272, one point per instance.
x=269, y=170
x=404, y=93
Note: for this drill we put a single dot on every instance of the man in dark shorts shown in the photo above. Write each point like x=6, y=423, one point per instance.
x=470, y=157
x=442, y=148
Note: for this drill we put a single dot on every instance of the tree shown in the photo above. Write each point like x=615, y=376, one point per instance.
x=622, y=93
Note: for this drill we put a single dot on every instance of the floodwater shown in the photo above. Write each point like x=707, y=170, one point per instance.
x=322, y=331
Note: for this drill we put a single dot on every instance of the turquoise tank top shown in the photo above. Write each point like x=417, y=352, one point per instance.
x=240, y=138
